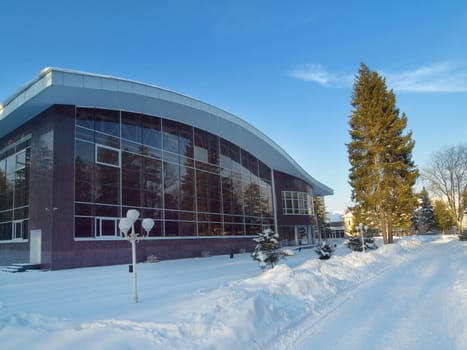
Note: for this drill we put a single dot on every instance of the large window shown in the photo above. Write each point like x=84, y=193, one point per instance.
x=297, y=203
x=191, y=182
x=14, y=190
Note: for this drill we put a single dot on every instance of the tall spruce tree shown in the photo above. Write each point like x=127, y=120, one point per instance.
x=382, y=173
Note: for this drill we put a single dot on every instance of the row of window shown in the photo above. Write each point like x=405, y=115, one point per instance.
x=148, y=182
x=14, y=190
x=107, y=227
x=150, y=135
x=297, y=203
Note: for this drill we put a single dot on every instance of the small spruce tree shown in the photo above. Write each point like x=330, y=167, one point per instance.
x=324, y=251
x=267, y=248
x=424, y=217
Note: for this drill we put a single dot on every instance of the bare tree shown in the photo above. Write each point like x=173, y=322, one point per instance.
x=446, y=177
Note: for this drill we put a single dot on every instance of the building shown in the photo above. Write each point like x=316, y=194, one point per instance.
x=77, y=150
x=337, y=229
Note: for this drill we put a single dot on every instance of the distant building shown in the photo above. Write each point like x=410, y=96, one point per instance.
x=77, y=150
x=335, y=226
x=337, y=229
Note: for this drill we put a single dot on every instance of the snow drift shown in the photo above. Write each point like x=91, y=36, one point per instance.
x=203, y=303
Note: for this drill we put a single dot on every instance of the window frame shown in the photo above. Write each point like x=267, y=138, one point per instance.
x=118, y=151
x=98, y=221
x=301, y=203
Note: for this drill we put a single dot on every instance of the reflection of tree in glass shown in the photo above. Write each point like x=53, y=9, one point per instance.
x=84, y=171
x=44, y=154
x=152, y=180
x=2, y=180
x=6, y=189
x=22, y=178
x=107, y=184
x=237, y=195
x=171, y=185
x=83, y=183
x=187, y=189
x=254, y=204
x=266, y=199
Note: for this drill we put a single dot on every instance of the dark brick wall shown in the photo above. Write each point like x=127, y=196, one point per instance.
x=100, y=253
x=284, y=182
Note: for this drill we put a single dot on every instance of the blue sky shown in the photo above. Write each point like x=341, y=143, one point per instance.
x=285, y=67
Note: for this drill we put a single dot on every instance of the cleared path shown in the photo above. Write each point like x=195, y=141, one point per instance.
x=415, y=305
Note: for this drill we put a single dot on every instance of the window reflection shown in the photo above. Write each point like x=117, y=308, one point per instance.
x=85, y=118
x=132, y=177
x=14, y=190
x=107, y=184
x=187, y=188
x=152, y=182
x=84, y=171
x=202, y=184
x=152, y=135
x=171, y=185
x=131, y=127
x=206, y=147
x=107, y=156
x=185, y=140
x=170, y=136
x=107, y=122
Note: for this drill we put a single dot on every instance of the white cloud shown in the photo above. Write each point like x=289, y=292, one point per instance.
x=317, y=74
x=439, y=77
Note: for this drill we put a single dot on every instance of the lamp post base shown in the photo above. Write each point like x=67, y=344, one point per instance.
x=133, y=256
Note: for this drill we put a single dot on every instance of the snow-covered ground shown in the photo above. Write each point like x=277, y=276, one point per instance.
x=410, y=295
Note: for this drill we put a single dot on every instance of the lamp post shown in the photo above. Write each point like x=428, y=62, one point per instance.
x=125, y=224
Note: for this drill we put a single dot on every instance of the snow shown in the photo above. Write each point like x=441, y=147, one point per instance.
x=410, y=295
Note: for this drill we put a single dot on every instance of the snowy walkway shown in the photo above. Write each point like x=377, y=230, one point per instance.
x=419, y=304
x=410, y=295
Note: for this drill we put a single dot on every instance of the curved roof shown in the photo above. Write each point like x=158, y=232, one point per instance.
x=61, y=86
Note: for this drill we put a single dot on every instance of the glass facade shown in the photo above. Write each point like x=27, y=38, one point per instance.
x=191, y=182
x=14, y=190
